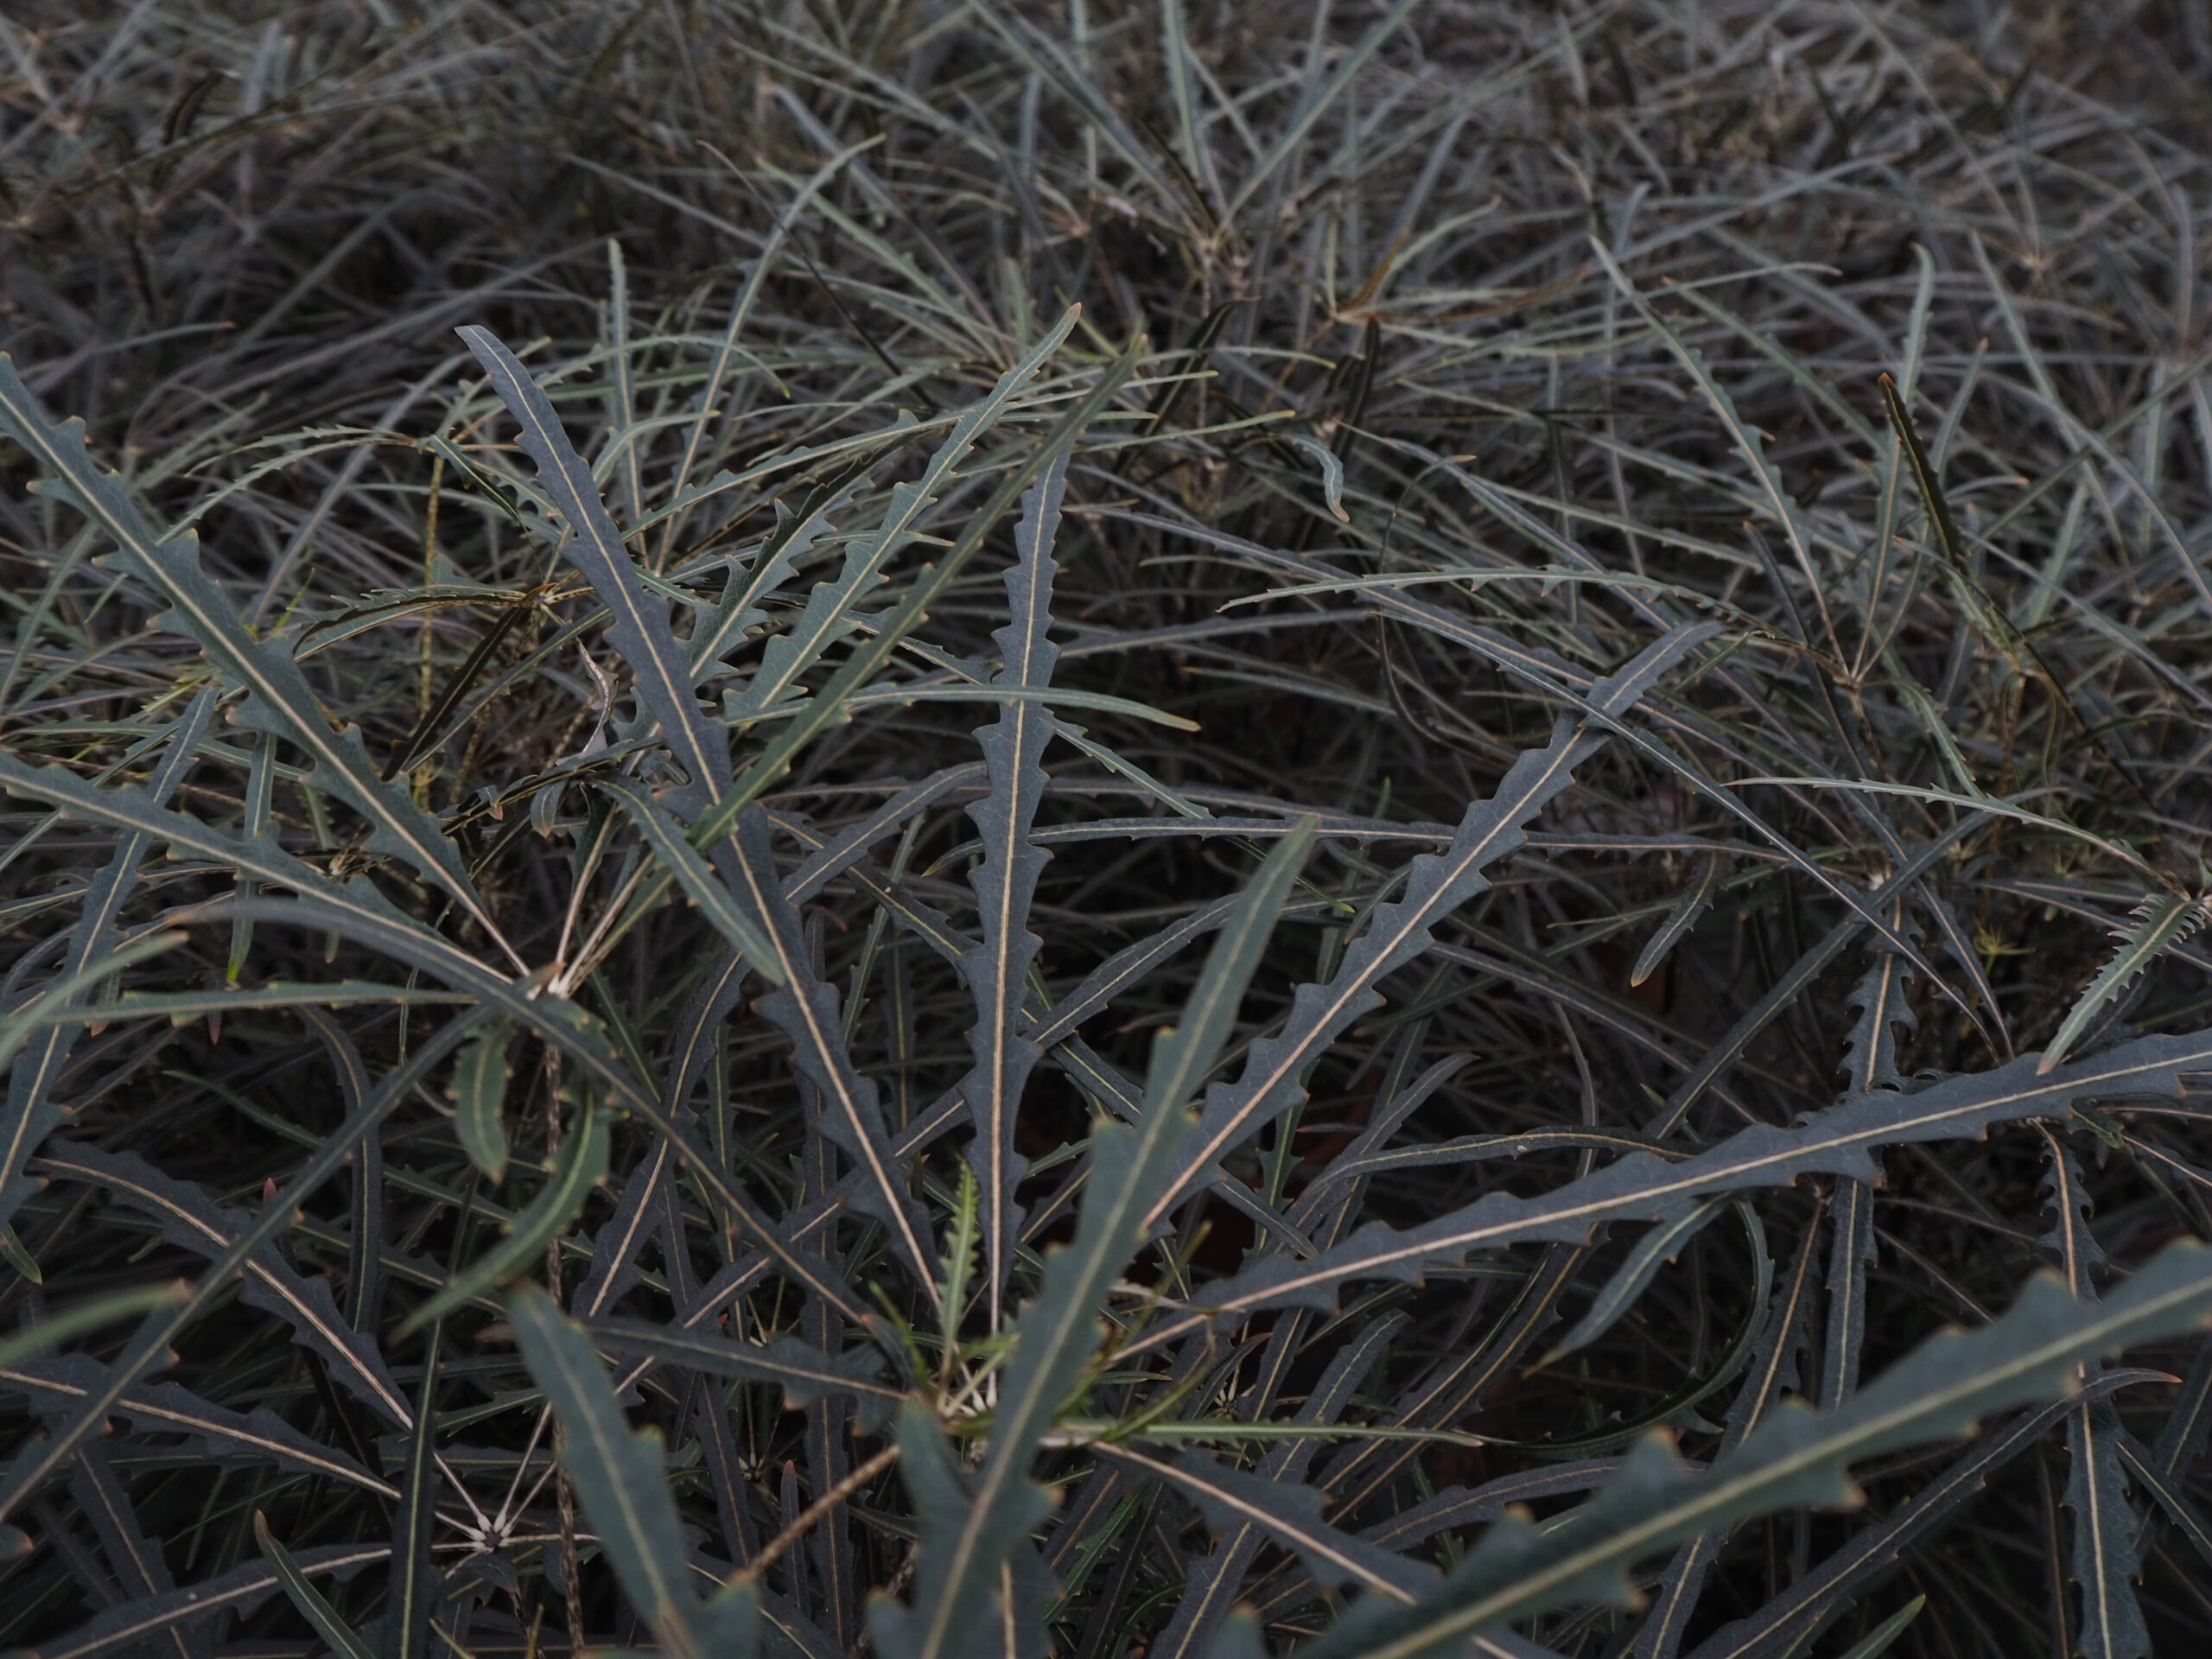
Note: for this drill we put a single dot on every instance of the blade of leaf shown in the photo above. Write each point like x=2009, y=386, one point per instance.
x=149, y=1347
x=1696, y=899
x=1005, y=880
x=81, y=1318
x=1941, y=1390
x=243, y=1589
x=623, y=1487
x=826, y=707
x=1665, y=1240
x=479, y=1090
x=636, y=619
x=279, y=702
x=789, y=655
x=582, y=1166
x=2159, y=924
x=306, y=1598
x=1640, y=1186
x=1055, y=1335
x=30, y=1114
x=1491, y=828
x=2106, y=1558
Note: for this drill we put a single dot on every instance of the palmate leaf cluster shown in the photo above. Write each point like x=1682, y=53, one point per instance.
x=945, y=828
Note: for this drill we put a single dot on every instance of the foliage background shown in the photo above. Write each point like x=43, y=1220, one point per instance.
x=1431, y=291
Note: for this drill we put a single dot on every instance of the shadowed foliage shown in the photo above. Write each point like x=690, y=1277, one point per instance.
x=1122, y=827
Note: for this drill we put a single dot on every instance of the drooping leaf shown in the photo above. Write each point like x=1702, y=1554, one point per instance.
x=480, y=1091
x=582, y=1166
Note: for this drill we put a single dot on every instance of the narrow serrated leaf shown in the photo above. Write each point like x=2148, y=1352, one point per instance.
x=192, y=1221
x=2159, y=923
x=1839, y=1142
x=243, y=1589
x=805, y=1373
x=31, y=1115
x=278, y=700
x=829, y=608
x=1290, y=1515
x=973, y=1535
x=2105, y=1559
x=1696, y=899
x=306, y=1598
x=1943, y=1388
x=1661, y=1243
x=1005, y=880
x=637, y=618
x=621, y=1484
x=1436, y=885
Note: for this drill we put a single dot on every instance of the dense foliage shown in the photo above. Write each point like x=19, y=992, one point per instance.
x=938, y=827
